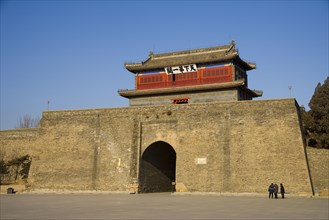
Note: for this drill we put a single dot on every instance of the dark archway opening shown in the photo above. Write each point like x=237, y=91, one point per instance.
x=158, y=168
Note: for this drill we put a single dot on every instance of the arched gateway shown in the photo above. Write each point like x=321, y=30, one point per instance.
x=158, y=168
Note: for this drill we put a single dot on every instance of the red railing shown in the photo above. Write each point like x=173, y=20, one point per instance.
x=203, y=76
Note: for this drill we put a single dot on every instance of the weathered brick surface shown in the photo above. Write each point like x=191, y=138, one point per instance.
x=319, y=166
x=245, y=146
x=200, y=97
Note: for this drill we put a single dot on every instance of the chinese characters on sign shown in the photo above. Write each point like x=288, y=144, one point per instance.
x=181, y=69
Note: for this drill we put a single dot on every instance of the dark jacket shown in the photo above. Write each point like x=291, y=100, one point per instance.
x=271, y=188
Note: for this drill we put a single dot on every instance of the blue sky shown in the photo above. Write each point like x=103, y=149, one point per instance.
x=72, y=53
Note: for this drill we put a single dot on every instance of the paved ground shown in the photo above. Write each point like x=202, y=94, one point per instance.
x=158, y=206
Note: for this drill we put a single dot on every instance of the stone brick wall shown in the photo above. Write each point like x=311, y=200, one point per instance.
x=87, y=150
x=16, y=143
x=319, y=166
x=220, y=147
x=200, y=97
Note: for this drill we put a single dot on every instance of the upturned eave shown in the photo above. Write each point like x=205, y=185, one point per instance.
x=202, y=56
x=182, y=89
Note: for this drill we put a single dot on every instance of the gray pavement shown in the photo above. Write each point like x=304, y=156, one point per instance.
x=158, y=206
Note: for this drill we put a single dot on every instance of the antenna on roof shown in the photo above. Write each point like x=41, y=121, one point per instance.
x=289, y=87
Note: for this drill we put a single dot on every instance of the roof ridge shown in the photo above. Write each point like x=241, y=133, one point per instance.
x=187, y=54
x=198, y=50
x=215, y=54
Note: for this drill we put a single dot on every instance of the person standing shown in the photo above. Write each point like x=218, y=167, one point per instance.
x=282, y=190
x=276, y=190
x=271, y=191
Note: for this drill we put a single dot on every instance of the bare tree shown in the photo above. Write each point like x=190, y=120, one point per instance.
x=27, y=121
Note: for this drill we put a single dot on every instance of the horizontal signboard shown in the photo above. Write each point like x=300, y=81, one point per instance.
x=181, y=69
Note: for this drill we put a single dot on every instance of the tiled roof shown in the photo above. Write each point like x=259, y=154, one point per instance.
x=197, y=56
